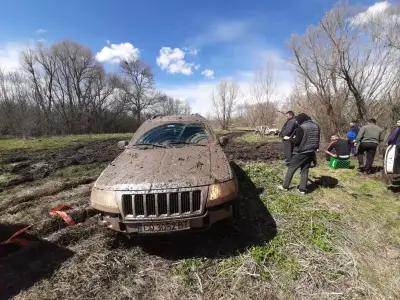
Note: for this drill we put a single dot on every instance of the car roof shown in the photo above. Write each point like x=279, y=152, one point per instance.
x=195, y=118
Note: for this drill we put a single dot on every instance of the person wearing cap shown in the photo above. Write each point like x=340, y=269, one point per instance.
x=286, y=133
x=394, y=137
x=352, y=135
x=305, y=141
x=338, y=148
x=368, y=139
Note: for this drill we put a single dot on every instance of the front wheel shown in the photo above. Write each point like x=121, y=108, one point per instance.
x=236, y=209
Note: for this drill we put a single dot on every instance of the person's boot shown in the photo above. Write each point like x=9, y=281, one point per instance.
x=301, y=192
x=281, y=188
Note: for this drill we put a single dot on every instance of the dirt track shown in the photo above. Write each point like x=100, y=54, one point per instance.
x=86, y=261
x=37, y=165
x=254, y=151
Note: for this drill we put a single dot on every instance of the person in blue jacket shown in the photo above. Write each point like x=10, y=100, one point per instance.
x=394, y=137
x=352, y=135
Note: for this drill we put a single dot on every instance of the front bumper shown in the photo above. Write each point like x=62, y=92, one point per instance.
x=201, y=222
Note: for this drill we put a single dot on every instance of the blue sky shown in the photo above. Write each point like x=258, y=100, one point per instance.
x=203, y=41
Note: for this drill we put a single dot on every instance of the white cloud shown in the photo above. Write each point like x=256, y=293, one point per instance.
x=173, y=61
x=114, y=53
x=208, y=73
x=10, y=56
x=374, y=11
x=41, y=31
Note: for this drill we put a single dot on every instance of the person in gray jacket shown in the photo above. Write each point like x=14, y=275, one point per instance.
x=368, y=139
x=286, y=133
x=305, y=140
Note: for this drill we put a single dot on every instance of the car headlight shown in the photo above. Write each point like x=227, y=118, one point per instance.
x=221, y=192
x=104, y=200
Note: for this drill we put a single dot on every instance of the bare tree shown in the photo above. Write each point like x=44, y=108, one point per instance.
x=224, y=99
x=171, y=106
x=40, y=66
x=262, y=110
x=139, y=94
x=16, y=112
x=62, y=89
x=385, y=26
x=318, y=70
x=364, y=64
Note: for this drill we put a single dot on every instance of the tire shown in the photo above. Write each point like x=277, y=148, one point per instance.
x=236, y=209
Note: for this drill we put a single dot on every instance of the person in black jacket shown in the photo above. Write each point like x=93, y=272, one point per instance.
x=286, y=133
x=305, y=140
x=338, y=148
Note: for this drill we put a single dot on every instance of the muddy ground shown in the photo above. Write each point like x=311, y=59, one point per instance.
x=254, y=151
x=86, y=261
x=30, y=166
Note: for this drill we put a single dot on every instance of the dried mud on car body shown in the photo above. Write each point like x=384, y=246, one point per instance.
x=91, y=262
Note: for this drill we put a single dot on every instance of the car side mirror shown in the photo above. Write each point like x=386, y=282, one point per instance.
x=223, y=140
x=122, y=144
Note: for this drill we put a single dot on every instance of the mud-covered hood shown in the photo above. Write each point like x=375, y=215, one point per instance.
x=165, y=168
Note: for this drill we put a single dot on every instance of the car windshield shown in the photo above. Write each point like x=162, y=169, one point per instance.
x=174, y=134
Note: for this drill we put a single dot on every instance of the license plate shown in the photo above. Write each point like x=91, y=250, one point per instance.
x=164, y=226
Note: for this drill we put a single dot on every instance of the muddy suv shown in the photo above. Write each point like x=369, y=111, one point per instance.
x=172, y=176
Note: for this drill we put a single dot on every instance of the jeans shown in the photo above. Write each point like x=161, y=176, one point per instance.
x=299, y=160
x=287, y=150
x=370, y=150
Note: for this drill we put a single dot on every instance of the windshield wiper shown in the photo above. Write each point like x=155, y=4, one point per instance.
x=151, y=145
x=186, y=143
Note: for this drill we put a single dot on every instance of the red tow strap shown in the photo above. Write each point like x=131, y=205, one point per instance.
x=17, y=241
x=59, y=210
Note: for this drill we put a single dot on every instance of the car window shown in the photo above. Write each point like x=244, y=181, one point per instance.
x=175, y=133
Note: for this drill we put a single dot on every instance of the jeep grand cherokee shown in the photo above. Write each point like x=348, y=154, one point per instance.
x=172, y=176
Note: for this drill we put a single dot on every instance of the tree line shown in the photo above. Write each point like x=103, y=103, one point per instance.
x=347, y=68
x=62, y=89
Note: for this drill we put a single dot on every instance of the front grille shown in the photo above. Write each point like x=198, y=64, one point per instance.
x=161, y=204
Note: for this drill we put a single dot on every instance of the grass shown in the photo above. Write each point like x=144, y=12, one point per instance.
x=329, y=242
x=250, y=137
x=55, y=142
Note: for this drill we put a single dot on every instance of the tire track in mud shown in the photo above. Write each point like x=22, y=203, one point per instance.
x=14, y=203
x=31, y=166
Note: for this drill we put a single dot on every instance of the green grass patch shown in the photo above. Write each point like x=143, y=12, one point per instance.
x=56, y=142
x=251, y=137
x=186, y=268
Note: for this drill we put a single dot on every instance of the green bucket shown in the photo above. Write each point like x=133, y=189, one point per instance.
x=335, y=163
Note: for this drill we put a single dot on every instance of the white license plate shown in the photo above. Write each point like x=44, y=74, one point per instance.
x=164, y=226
